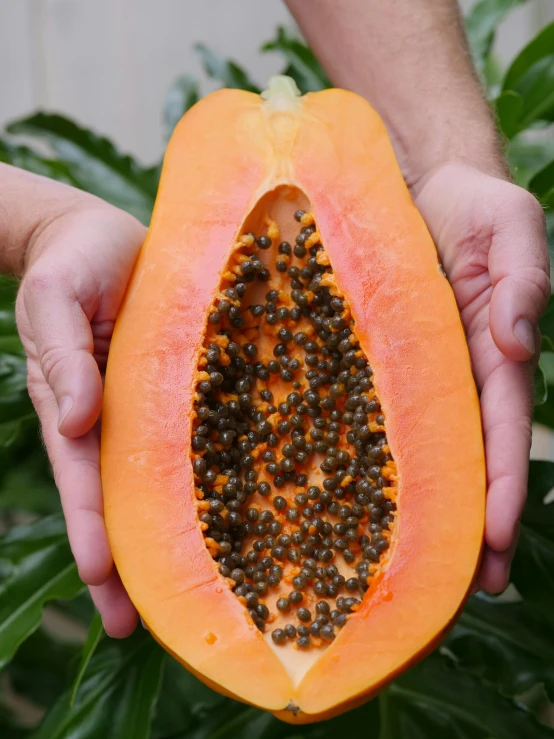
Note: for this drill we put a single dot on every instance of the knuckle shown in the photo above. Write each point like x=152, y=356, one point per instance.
x=516, y=203
x=53, y=362
x=542, y=284
x=522, y=200
x=535, y=282
x=532, y=207
x=42, y=279
x=41, y=395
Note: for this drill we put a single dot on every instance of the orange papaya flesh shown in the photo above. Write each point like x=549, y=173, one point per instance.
x=292, y=457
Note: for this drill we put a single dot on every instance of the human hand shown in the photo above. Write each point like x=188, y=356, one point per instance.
x=490, y=235
x=78, y=265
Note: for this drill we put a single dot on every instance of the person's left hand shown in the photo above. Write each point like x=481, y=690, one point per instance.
x=490, y=235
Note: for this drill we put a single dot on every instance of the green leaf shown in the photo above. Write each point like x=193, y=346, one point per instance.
x=40, y=669
x=540, y=390
x=94, y=163
x=437, y=699
x=10, y=725
x=174, y=715
x=25, y=158
x=544, y=415
x=539, y=48
x=546, y=322
x=542, y=185
x=116, y=696
x=302, y=65
x=80, y=609
x=207, y=715
x=505, y=644
x=225, y=71
x=548, y=201
x=547, y=362
x=9, y=339
x=531, y=77
x=234, y=720
x=26, y=482
x=509, y=105
x=533, y=566
x=182, y=95
x=537, y=92
x=348, y=724
x=482, y=22
x=527, y=157
x=16, y=410
x=95, y=634
x=36, y=566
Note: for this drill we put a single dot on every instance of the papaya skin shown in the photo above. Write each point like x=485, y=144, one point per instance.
x=293, y=714
x=227, y=153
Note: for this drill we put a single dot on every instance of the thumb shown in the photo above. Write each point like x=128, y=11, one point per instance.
x=64, y=343
x=519, y=270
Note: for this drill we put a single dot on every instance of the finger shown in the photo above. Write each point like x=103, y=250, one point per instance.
x=119, y=615
x=506, y=411
x=494, y=574
x=65, y=347
x=519, y=270
x=75, y=463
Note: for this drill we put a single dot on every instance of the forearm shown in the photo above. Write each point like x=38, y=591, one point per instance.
x=28, y=205
x=410, y=60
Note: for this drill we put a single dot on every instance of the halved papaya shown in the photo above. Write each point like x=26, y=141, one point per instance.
x=292, y=456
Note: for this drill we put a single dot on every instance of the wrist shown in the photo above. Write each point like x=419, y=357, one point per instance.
x=30, y=206
x=426, y=148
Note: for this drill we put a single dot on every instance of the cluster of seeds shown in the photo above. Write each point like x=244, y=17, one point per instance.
x=294, y=477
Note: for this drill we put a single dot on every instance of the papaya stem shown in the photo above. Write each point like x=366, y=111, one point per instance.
x=282, y=94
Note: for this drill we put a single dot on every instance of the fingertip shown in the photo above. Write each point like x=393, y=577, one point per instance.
x=494, y=575
x=502, y=523
x=123, y=625
x=119, y=616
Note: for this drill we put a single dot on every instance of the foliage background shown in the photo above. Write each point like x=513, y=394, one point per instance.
x=493, y=678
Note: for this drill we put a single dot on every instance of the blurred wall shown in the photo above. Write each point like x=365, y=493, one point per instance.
x=109, y=63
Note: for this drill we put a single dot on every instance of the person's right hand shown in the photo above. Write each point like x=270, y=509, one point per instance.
x=78, y=266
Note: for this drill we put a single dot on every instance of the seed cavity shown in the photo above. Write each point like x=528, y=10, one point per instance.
x=294, y=478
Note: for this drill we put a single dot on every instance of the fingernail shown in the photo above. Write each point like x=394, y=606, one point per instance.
x=525, y=334
x=64, y=407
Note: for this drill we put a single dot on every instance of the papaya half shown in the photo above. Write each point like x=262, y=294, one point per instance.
x=292, y=456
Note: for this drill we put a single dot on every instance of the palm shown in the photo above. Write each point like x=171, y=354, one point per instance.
x=490, y=238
